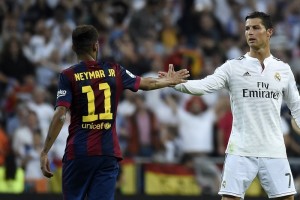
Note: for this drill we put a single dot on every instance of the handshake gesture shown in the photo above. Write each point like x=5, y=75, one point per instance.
x=175, y=77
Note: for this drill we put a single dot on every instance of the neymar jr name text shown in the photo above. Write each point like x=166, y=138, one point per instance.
x=94, y=74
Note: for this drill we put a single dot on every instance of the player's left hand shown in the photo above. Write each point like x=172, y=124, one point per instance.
x=162, y=74
x=45, y=166
x=177, y=76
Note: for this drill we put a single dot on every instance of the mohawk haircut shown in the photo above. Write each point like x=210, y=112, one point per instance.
x=83, y=37
x=265, y=18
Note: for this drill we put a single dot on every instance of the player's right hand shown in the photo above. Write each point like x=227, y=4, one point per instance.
x=295, y=126
x=45, y=166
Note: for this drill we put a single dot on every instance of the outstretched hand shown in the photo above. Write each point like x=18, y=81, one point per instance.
x=175, y=76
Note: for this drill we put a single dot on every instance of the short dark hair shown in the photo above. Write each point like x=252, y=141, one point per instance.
x=265, y=18
x=83, y=37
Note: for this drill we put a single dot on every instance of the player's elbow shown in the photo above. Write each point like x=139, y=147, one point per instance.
x=60, y=114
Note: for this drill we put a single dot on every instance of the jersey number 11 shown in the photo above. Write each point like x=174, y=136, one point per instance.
x=92, y=116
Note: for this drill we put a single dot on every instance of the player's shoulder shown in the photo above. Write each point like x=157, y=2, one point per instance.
x=109, y=64
x=238, y=59
x=280, y=63
x=277, y=60
x=69, y=69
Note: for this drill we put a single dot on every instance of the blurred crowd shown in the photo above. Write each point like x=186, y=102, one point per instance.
x=144, y=36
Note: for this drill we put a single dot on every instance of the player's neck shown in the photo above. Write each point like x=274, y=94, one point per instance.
x=86, y=57
x=260, y=54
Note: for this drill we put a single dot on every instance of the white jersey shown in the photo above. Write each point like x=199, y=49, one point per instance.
x=256, y=97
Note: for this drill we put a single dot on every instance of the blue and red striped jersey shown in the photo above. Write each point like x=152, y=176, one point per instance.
x=91, y=90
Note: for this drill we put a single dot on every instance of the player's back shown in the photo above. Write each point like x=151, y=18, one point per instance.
x=92, y=92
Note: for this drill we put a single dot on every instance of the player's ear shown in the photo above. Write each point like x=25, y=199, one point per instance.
x=269, y=32
x=95, y=46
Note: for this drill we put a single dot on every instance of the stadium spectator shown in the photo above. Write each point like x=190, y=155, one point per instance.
x=197, y=144
x=22, y=138
x=170, y=150
x=44, y=110
x=33, y=174
x=35, y=12
x=194, y=141
x=17, y=119
x=48, y=69
x=143, y=130
x=129, y=55
x=146, y=22
x=14, y=66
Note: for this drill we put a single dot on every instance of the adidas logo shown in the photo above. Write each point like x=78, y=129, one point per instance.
x=247, y=74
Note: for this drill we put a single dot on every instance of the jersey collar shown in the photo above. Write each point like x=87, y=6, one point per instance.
x=255, y=59
x=89, y=63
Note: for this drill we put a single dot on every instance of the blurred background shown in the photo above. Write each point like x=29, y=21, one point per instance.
x=173, y=144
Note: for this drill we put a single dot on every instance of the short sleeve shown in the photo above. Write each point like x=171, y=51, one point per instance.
x=129, y=80
x=64, y=91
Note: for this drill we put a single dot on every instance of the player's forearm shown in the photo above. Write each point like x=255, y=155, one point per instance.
x=171, y=78
x=54, y=129
x=189, y=88
x=155, y=83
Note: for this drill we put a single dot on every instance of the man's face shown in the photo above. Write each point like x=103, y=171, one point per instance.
x=256, y=34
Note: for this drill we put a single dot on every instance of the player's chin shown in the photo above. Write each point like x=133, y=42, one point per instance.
x=253, y=46
x=251, y=43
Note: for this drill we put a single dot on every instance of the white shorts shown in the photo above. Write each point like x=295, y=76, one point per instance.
x=274, y=175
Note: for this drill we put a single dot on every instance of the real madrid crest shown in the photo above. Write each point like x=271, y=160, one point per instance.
x=277, y=76
x=224, y=184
